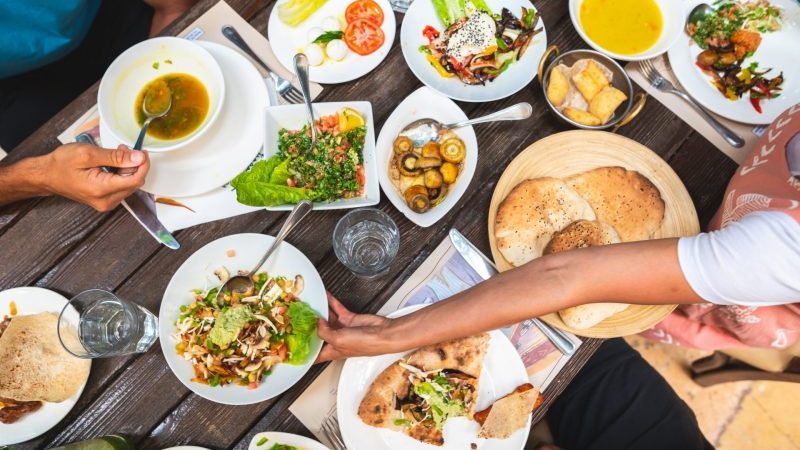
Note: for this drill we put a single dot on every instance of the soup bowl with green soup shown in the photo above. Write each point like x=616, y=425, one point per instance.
x=159, y=71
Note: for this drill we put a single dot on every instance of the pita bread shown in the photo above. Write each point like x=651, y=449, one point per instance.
x=581, y=234
x=586, y=316
x=531, y=213
x=510, y=414
x=624, y=199
x=34, y=365
x=379, y=405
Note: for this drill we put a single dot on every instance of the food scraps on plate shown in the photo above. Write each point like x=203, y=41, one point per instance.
x=583, y=92
x=601, y=206
x=476, y=44
x=423, y=175
x=238, y=338
x=419, y=393
x=333, y=169
x=729, y=36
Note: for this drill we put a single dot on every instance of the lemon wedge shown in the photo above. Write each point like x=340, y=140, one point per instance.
x=349, y=119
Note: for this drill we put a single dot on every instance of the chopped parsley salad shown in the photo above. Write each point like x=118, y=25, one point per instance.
x=332, y=169
x=239, y=338
x=275, y=446
x=477, y=45
x=729, y=36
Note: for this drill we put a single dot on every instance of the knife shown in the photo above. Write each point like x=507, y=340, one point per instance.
x=486, y=269
x=142, y=207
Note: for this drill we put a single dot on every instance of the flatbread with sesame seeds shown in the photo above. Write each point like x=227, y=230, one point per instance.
x=624, y=199
x=404, y=396
x=531, y=213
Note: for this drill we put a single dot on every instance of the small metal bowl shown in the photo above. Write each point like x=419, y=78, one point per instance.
x=624, y=114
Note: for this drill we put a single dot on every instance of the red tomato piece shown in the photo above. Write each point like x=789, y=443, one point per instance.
x=363, y=37
x=364, y=9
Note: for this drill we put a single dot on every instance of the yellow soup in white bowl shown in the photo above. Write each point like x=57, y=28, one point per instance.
x=186, y=71
x=630, y=30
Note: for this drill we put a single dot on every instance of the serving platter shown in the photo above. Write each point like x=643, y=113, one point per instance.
x=503, y=370
x=518, y=75
x=197, y=272
x=227, y=148
x=34, y=300
x=775, y=51
x=286, y=41
x=423, y=103
x=572, y=152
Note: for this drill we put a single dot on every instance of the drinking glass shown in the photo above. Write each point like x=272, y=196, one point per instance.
x=366, y=241
x=106, y=325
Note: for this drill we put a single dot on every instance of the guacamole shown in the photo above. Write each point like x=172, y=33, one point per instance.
x=229, y=324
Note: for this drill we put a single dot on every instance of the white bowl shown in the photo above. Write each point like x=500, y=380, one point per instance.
x=673, y=14
x=422, y=103
x=293, y=117
x=135, y=67
x=197, y=272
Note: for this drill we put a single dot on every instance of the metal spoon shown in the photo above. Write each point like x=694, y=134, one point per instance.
x=301, y=70
x=150, y=116
x=243, y=283
x=698, y=13
x=423, y=131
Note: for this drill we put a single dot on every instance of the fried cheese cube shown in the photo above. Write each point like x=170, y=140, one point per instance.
x=557, y=87
x=606, y=102
x=581, y=117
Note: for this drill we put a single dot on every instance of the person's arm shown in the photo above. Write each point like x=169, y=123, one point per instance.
x=645, y=272
x=75, y=171
x=166, y=11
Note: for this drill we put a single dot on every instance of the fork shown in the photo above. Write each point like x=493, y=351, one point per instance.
x=330, y=428
x=283, y=87
x=662, y=84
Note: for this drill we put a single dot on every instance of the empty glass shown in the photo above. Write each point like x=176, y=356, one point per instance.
x=106, y=325
x=366, y=241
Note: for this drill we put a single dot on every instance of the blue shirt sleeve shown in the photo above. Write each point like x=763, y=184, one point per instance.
x=34, y=33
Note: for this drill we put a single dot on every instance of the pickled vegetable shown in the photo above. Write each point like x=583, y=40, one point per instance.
x=449, y=172
x=453, y=150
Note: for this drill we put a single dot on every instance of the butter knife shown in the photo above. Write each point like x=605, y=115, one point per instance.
x=486, y=269
x=142, y=207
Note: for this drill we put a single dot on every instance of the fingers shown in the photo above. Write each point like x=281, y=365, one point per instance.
x=328, y=353
x=345, y=315
x=109, y=189
x=120, y=157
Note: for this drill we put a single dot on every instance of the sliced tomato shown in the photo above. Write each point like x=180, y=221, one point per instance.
x=364, y=9
x=363, y=36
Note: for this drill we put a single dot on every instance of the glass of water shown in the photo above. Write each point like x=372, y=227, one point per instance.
x=366, y=241
x=106, y=325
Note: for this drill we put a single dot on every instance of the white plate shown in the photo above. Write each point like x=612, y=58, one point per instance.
x=293, y=117
x=301, y=442
x=422, y=103
x=502, y=371
x=197, y=272
x=286, y=41
x=778, y=50
x=672, y=13
x=517, y=76
x=229, y=145
x=33, y=300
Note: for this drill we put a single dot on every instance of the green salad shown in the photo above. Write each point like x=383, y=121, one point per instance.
x=332, y=169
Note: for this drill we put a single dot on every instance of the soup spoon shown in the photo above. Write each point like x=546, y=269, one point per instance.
x=149, y=117
x=426, y=130
x=301, y=70
x=243, y=283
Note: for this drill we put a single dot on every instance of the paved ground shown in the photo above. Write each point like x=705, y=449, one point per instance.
x=733, y=416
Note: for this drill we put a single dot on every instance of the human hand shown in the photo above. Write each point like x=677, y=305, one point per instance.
x=349, y=334
x=75, y=171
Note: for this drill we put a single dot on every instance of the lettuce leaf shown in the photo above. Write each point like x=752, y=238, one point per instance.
x=264, y=184
x=449, y=11
x=304, y=326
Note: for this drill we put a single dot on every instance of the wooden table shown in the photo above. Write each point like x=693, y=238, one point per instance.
x=61, y=245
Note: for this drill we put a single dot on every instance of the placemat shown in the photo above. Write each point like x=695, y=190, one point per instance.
x=220, y=203
x=750, y=133
x=442, y=274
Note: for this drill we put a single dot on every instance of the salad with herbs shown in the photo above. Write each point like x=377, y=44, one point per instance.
x=239, y=338
x=331, y=169
x=729, y=36
x=476, y=44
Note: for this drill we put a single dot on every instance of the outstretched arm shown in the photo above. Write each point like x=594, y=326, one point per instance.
x=645, y=272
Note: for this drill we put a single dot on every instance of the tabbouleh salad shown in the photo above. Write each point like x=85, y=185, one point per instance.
x=333, y=169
